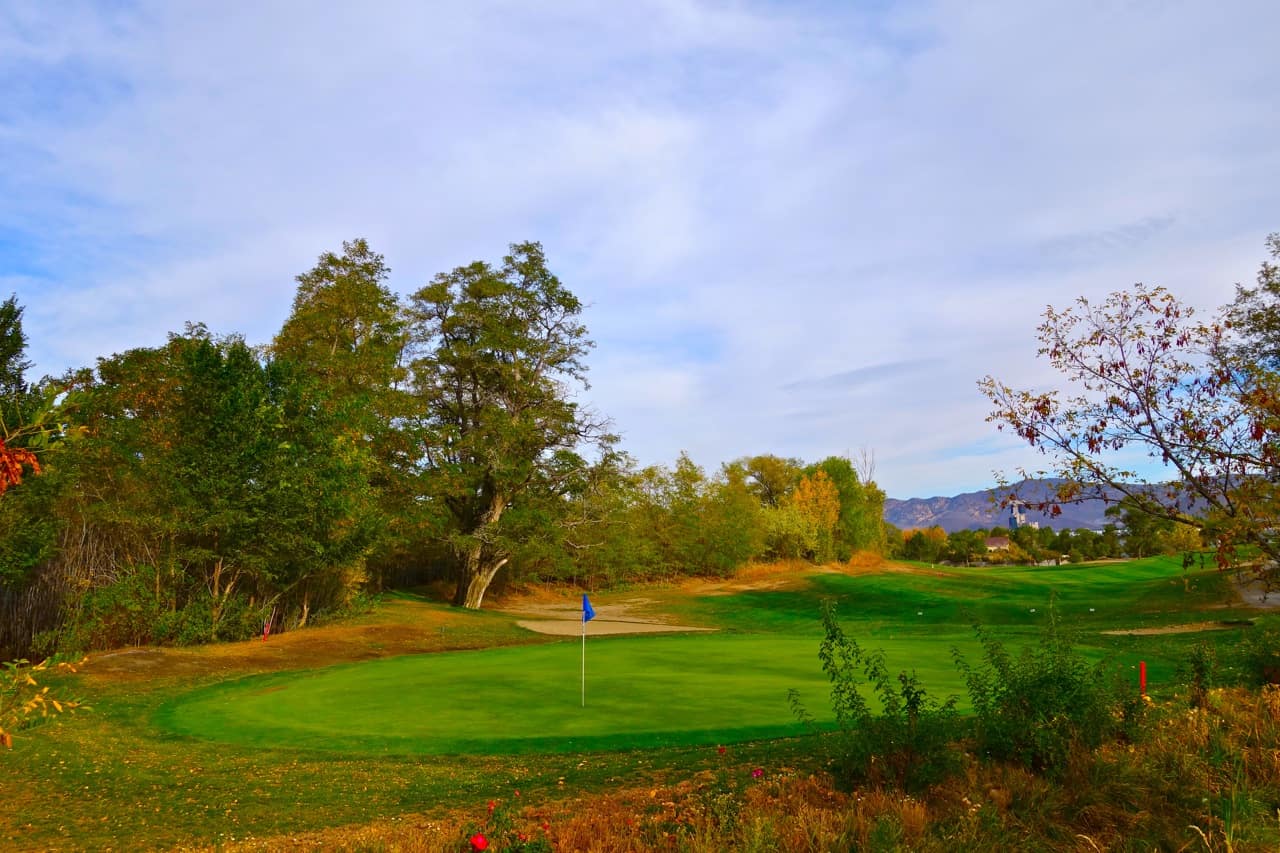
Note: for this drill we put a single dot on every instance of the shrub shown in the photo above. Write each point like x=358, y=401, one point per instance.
x=907, y=745
x=1034, y=709
x=1262, y=657
x=129, y=612
x=22, y=699
x=1200, y=672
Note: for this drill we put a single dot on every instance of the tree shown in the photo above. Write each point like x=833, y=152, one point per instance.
x=222, y=477
x=924, y=544
x=15, y=398
x=346, y=325
x=817, y=502
x=497, y=353
x=347, y=331
x=1255, y=313
x=861, y=522
x=1144, y=534
x=1146, y=375
x=771, y=478
x=964, y=546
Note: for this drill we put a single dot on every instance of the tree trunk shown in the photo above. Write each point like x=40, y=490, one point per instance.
x=479, y=568
x=477, y=573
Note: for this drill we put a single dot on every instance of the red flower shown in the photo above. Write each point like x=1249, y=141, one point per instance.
x=720, y=749
x=479, y=842
x=492, y=806
x=517, y=792
x=757, y=773
x=546, y=825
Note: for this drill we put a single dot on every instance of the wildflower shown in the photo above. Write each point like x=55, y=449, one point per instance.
x=720, y=749
x=479, y=842
x=517, y=792
x=492, y=806
x=757, y=773
x=546, y=825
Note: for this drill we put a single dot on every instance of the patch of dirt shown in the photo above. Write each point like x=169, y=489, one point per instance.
x=1253, y=592
x=403, y=627
x=1188, y=628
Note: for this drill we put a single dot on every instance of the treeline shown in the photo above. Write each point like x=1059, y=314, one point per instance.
x=1136, y=534
x=193, y=491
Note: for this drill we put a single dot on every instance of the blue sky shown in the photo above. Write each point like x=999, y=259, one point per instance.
x=801, y=228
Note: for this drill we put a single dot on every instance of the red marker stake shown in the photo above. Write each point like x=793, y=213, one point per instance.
x=1142, y=677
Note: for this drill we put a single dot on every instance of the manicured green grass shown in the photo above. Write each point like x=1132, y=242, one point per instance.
x=647, y=692
x=642, y=692
x=218, y=753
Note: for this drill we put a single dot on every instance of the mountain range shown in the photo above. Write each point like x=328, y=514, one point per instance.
x=981, y=510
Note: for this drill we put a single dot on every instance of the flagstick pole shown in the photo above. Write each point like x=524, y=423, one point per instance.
x=584, y=659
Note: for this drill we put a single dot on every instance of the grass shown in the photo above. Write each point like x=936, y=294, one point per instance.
x=258, y=740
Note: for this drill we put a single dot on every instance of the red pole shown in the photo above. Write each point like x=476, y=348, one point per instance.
x=1142, y=677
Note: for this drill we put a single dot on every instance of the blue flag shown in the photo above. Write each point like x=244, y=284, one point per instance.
x=588, y=612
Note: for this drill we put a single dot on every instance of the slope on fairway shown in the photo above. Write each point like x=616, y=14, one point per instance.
x=641, y=692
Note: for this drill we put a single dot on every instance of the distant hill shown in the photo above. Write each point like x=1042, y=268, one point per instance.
x=981, y=510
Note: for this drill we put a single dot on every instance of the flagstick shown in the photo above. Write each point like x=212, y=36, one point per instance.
x=584, y=659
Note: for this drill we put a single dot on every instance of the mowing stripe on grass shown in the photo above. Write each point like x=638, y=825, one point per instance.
x=643, y=692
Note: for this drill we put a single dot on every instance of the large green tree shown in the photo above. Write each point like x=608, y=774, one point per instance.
x=498, y=352
x=348, y=332
x=227, y=477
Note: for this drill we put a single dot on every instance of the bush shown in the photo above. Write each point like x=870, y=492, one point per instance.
x=908, y=744
x=128, y=612
x=1036, y=708
x=1262, y=657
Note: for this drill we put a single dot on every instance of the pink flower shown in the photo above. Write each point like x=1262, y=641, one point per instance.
x=757, y=773
x=479, y=842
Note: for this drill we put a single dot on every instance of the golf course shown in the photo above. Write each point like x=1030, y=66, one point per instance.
x=418, y=711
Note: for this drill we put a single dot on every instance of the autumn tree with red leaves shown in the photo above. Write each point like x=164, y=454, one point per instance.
x=12, y=462
x=1145, y=374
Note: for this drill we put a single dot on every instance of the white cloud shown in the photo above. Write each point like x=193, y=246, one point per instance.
x=749, y=196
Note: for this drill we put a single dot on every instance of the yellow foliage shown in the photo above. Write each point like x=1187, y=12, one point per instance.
x=817, y=500
x=19, y=701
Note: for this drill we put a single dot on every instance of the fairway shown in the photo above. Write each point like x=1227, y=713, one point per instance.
x=672, y=690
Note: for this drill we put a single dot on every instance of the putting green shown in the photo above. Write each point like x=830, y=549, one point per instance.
x=641, y=692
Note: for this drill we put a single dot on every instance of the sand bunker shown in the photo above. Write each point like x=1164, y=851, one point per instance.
x=622, y=617
x=1187, y=628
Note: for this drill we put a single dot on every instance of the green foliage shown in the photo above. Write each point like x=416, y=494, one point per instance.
x=499, y=832
x=29, y=528
x=22, y=699
x=907, y=743
x=1262, y=656
x=138, y=609
x=1035, y=708
x=1201, y=672
x=861, y=524
x=497, y=352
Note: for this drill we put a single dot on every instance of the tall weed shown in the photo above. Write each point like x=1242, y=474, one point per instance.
x=1035, y=708
x=907, y=743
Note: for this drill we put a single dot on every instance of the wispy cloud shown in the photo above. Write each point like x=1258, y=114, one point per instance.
x=800, y=228
x=862, y=377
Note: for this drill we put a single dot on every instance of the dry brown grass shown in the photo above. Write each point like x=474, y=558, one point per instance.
x=401, y=627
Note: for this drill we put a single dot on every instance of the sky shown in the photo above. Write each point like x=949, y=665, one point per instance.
x=800, y=228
